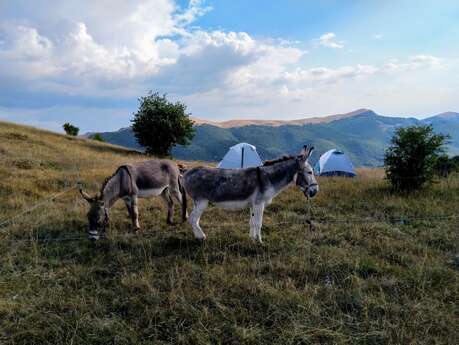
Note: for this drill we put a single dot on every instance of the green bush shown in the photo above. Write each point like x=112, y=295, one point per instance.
x=98, y=137
x=70, y=129
x=159, y=124
x=445, y=166
x=411, y=159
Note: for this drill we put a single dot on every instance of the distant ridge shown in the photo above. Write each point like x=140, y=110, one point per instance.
x=277, y=123
x=362, y=134
x=449, y=115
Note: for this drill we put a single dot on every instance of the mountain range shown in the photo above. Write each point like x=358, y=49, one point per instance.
x=362, y=134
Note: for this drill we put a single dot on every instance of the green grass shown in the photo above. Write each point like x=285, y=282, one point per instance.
x=344, y=283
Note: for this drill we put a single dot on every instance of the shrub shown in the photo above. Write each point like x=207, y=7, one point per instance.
x=159, y=124
x=455, y=162
x=70, y=129
x=410, y=160
x=444, y=166
x=98, y=137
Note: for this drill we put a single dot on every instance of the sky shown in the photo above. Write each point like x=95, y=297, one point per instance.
x=87, y=62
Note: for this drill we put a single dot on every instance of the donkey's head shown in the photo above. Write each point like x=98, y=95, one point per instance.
x=97, y=215
x=305, y=179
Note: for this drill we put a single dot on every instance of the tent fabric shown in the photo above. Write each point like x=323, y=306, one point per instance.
x=334, y=163
x=242, y=155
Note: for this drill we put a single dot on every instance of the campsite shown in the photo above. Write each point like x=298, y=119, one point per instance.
x=379, y=268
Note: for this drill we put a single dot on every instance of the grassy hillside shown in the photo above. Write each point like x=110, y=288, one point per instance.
x=354, y=280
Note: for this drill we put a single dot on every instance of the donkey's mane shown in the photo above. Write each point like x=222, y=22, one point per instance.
x=278, y=160
x=107, y=180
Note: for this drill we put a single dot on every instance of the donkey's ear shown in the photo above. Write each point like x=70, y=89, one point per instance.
x=306, y=152
x=86, y=196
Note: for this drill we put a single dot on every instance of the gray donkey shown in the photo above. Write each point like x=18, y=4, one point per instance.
x=254, y=187
x=130, y=182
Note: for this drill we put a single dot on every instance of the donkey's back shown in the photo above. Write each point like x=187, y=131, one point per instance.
x=150, y=178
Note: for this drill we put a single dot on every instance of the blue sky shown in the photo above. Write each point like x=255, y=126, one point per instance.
x=87, y=62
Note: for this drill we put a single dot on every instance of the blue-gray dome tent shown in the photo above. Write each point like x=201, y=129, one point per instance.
x=334, y=163
x=239, y=156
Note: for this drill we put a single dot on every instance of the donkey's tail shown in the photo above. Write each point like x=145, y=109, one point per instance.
x=184, y=200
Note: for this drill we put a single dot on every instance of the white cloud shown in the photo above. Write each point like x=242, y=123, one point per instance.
x=328, y=40
x=414, y=63
x=196, y=8
x=378, y=36
x=330, y=75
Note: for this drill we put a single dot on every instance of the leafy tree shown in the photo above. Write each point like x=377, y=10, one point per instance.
x=159, y=124
x=98, y=137
x=455, y=162
x=70, y=129
x=411, y=158
x=444, y=166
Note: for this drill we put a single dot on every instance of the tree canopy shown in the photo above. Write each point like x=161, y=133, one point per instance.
x=70, y=129
x=411, y=159
x=159, y=124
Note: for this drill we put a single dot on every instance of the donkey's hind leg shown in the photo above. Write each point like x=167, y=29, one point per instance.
x=178, y=195
x=198, y=209
x=253, y=232
x=170, y=206
x=258, y=220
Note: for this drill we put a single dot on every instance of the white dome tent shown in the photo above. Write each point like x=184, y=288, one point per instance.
x=334, y=163
x=239, y=156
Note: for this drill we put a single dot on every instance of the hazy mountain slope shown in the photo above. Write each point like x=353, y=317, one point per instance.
x=363, y=135
x=447, y=123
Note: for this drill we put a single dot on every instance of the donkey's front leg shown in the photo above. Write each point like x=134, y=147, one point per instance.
x=258, y=220
x=198, y=209
x=135, y=213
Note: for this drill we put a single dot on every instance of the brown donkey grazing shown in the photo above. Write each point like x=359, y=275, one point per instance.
x=130, y=182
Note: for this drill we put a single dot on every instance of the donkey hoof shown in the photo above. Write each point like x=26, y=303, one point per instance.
x=201, y=239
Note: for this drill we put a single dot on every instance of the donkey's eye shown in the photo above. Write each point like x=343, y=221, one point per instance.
x=310, y=172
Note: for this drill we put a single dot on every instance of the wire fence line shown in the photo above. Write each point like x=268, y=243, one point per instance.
x=306, y=222
x=310, y=220
x=39, y=204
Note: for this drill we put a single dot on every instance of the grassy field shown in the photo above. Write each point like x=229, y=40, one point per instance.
x=359, y=278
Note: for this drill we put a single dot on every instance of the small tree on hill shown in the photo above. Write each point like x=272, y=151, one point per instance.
x=70, y=129
x=98, y=137
x=410, y=160
x=159, y=124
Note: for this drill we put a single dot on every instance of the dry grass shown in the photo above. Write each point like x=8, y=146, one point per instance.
x=357, y=282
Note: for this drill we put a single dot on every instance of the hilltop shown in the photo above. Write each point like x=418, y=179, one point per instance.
x=379, y=268
x=277, y=123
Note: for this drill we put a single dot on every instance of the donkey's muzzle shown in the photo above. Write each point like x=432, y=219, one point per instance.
x=311, y=191
x=93, y=235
